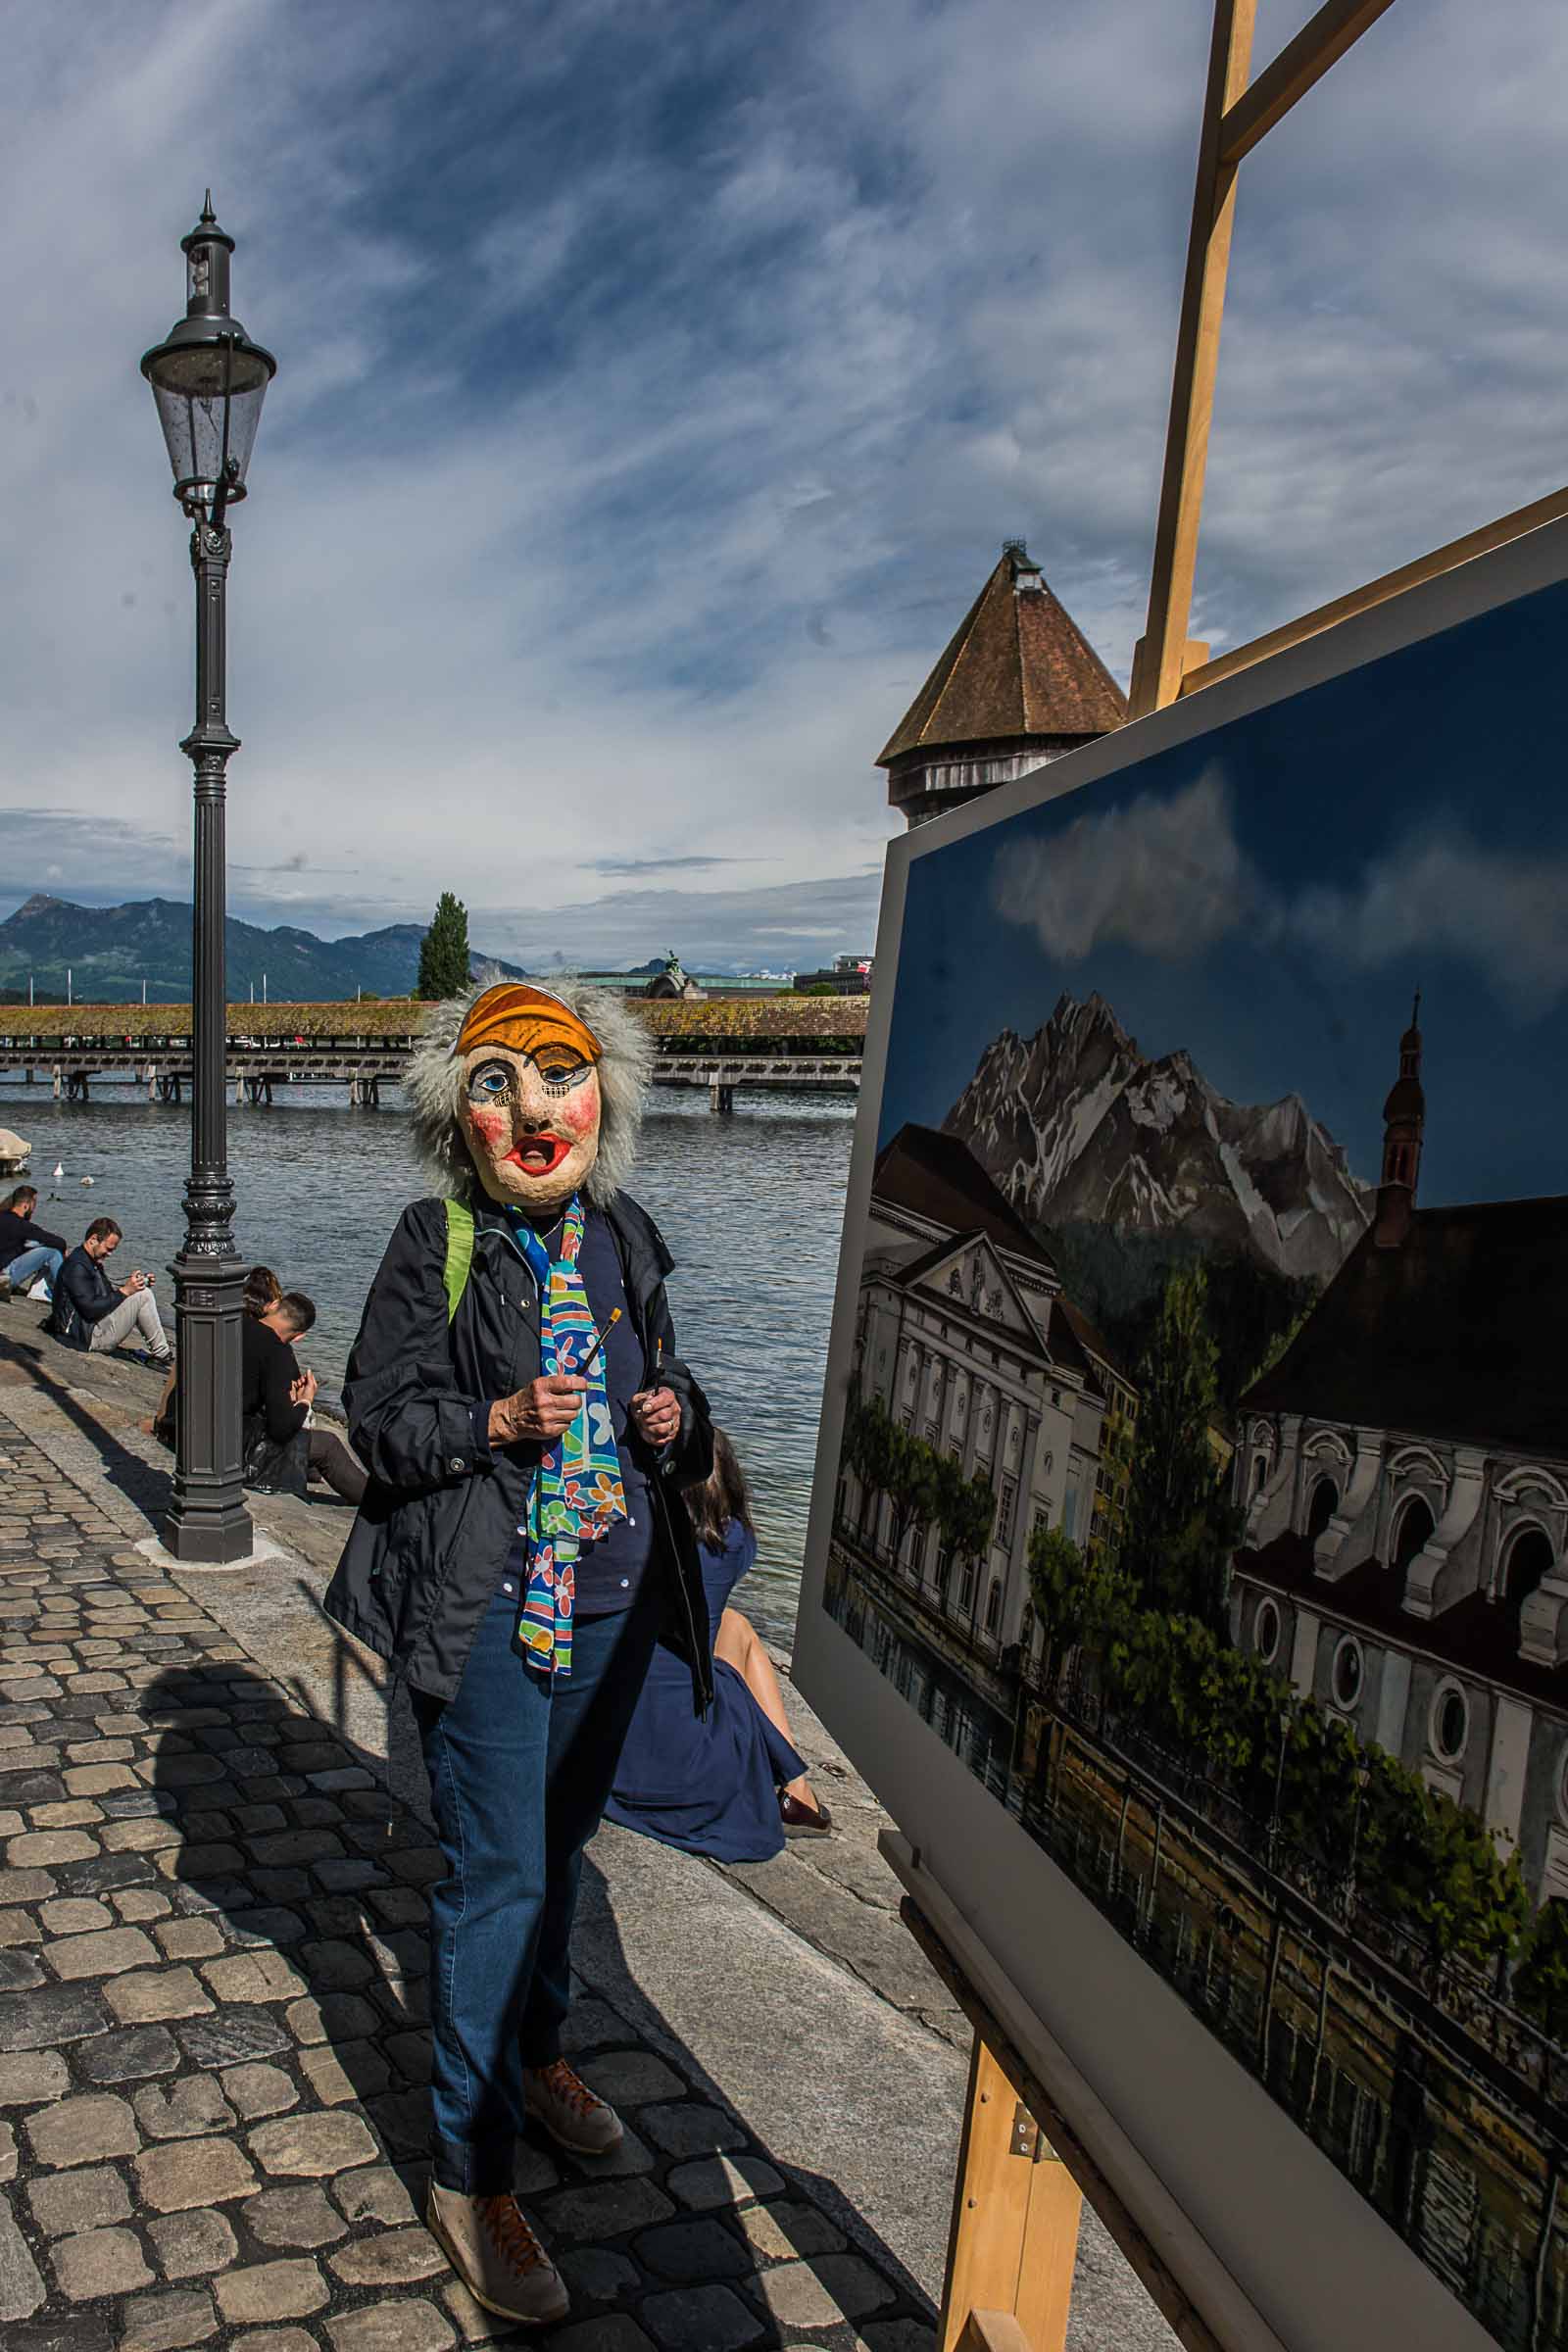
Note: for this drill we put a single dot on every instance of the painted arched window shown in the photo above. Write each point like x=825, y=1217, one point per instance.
x=1325, y=1501
x=1411, y=1529
x=994, y=1607
x=1259, y=1470
x=1529, y=1558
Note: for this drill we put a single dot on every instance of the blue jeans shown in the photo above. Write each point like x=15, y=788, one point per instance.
x=520, y=1774
x=28, y=1264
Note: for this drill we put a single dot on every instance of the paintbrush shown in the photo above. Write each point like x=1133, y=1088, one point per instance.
x=598, y=1348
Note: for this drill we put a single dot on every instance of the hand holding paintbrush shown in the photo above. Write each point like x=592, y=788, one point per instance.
x=657, y=1410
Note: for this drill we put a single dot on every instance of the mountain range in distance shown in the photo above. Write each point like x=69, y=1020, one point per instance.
x=112, y=953
x=1079, y=1129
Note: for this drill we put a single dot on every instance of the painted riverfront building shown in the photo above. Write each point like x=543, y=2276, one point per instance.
x=965, y=1336
x=1404, y=1470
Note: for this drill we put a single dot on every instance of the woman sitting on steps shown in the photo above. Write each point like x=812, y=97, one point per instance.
x=731, y=1785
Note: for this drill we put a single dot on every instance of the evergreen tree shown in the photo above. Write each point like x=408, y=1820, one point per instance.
x=1181, y=1527
x=444, y=951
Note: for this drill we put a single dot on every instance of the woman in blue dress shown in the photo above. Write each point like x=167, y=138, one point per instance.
x=732, y=1784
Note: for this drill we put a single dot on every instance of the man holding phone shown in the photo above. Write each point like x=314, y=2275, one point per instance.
x=89, y=1311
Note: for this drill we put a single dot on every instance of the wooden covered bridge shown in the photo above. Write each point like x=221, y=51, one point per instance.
x=727, y=1046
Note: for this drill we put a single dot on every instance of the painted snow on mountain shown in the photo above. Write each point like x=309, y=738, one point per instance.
x=1074, y=1124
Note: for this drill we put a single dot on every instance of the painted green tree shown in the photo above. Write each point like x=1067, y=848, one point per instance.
x=1181, y=1526
x=1540, y=1982
x=1078, y=1601
x=444, y=951
x=922, y=1487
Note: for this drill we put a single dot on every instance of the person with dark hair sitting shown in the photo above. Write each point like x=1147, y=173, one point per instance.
x=89, y=1311
x=731, y=1784
x=281, y=1450
x=261, y=1290
x=28, y=1254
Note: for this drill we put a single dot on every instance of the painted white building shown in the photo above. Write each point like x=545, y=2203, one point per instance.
x=1405, y=1471
x=964, y=1337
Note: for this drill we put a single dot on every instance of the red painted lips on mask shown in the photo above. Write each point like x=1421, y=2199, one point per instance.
x=539, y=1154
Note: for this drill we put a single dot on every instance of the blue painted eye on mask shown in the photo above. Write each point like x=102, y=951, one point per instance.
x=491, y=1082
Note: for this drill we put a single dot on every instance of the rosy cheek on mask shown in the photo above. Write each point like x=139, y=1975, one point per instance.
x=491, y=1127
x=578, y=1113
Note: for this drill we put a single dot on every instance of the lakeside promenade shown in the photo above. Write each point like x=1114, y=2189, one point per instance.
x=213, y=2053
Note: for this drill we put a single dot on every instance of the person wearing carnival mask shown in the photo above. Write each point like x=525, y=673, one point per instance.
x=516, y=1396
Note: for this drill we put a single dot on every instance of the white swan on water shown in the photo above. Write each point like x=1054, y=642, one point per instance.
x=59, y=1167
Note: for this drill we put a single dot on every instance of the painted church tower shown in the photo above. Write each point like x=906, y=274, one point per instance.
x=1405, y=1116
x=1018, y=685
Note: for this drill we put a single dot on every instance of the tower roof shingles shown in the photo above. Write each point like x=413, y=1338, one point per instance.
x=1019, y=665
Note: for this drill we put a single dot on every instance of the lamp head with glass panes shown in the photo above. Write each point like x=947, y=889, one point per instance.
x=209, y=380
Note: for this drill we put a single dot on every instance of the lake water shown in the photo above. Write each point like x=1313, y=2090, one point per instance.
x=751, y=1206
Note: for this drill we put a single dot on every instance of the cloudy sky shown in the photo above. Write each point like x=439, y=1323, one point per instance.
x=655, y=388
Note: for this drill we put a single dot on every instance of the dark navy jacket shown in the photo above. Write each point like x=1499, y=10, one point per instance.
x=83, y=1295
x=19, y=1233
x=431, y=1537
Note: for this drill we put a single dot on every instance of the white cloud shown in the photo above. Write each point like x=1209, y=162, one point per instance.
x=1163, y=874
x=1442, y=893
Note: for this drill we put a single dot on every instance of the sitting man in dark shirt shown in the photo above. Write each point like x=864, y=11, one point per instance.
x=27, y=1253
x=89, y=1311
x=280, y=1452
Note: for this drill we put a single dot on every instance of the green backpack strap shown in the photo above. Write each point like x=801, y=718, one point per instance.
x=460, y=1252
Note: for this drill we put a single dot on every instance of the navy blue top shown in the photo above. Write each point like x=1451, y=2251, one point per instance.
x=710, y=1784
x=609, y=1572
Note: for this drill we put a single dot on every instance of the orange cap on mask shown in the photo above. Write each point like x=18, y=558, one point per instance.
x=526, y=1020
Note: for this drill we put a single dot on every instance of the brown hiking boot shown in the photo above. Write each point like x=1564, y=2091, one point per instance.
x=569, y=2111
x=497, y=2256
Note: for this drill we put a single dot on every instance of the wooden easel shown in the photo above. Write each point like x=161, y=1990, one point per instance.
x=1237, y=116
x=1013, y=2239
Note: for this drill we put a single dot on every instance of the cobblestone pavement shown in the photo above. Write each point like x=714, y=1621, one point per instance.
x=213, y=2028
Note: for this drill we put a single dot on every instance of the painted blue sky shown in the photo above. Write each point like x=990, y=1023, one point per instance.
x=1271, y=895
x=655, y=388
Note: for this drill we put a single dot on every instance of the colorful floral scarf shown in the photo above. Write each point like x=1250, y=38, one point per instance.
x=576, y=1494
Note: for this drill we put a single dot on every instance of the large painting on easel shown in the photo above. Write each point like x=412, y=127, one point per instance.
x=1198, y=1476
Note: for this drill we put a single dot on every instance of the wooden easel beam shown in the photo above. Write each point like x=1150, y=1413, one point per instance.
x=1533, y=518
x=1192, y=398
x=1176, y=2306
x=1321, y=41
x=1015, y=2226
x=993, y=2332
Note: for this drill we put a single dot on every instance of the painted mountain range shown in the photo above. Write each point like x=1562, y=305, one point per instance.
x=1078, y=1127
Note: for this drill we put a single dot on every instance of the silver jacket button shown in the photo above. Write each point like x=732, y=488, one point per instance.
x=456, y=1462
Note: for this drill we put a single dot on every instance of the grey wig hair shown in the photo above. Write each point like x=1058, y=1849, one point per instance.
x=433, y=1084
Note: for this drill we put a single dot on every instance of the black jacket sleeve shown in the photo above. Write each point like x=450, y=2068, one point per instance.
x=34, y=1237
x=408, y=1422
x=88, y=1288
x=689, y=1458
x=281, y=1417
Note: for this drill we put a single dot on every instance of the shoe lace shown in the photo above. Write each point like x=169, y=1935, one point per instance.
x=509, y=2234
x=569, y=2088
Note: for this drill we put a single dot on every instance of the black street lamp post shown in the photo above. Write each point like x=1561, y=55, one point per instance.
x=209, y=380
